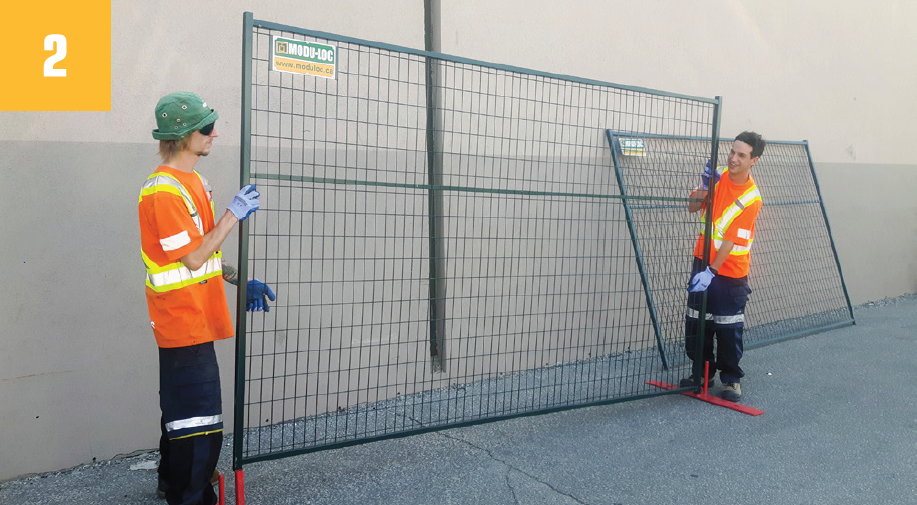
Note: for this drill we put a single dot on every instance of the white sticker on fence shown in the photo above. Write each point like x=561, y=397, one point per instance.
x=301, y=57
x=632, y=147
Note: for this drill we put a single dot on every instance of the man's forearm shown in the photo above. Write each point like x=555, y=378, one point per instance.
x=230, y=274
x=697, y=201
x=721, y=255
x=212, y=242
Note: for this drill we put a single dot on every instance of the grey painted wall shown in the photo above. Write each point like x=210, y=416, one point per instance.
x=78, y=368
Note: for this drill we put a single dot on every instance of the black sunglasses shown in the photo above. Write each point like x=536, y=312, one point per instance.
x=207, y=129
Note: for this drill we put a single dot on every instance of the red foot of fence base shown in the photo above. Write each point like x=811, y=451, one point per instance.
x=222, y=489
x=240, y=488
x=716, y=400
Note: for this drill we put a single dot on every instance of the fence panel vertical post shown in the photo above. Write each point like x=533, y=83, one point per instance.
x=651, y=305
x=698, y=370
x=435, y=197
x=824, y=213
x=245, y=176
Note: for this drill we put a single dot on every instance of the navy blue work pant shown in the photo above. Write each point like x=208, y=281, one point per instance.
x=191, y=423
x=724, y=325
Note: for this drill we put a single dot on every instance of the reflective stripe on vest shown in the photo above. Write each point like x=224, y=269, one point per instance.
x=165, y=182
x=729, y=214
x=207, y=190
x=176, y=275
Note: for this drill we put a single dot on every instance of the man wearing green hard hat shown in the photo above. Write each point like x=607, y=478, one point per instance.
x=180, y=245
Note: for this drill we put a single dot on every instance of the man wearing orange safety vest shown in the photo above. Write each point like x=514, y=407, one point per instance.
x=736, y=203
x=180, y=246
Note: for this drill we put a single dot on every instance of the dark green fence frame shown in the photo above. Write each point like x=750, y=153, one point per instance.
x=536, y=294
x=796, y=275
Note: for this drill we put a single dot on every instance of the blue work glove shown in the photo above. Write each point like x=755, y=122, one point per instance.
x=708, y=173
x=701, y=281
x=245, y=202
x=256, y=292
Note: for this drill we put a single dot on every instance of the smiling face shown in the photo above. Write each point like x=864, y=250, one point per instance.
x=740, y=161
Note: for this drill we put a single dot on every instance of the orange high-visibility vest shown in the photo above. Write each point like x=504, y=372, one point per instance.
x=735, y=208
x=187, y=307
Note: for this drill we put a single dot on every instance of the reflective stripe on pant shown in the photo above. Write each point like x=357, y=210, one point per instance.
x=186, y=467
x=191, y=424
x=725, y=323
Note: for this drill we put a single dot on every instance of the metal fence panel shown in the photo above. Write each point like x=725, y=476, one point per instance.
x=447, y=242
x=795, y=275
x=797, y=278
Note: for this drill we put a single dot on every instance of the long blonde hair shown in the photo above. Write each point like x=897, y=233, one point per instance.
x=169, y=149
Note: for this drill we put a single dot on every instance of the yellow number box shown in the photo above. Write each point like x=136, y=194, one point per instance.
x=56, y=56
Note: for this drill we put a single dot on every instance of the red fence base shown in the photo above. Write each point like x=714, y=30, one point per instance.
x=240, y=487
x=716, y=400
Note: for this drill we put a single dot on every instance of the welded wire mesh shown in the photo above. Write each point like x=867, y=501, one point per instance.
x=658, y=184
x=796, y=281
x=795, y=273
x=447, y=243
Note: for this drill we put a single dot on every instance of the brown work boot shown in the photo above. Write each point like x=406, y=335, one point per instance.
x=732, y=392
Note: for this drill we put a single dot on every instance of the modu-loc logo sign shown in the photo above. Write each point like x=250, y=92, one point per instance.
x=301, y=57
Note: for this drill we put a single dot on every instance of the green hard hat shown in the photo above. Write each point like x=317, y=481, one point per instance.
x=181, y=113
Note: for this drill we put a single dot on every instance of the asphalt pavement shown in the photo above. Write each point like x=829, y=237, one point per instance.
x=840, y=427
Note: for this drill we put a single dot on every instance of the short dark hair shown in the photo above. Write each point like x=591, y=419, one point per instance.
x=755, y=140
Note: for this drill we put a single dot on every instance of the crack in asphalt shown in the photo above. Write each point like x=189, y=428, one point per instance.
x=510, y=486
x=512, y=468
